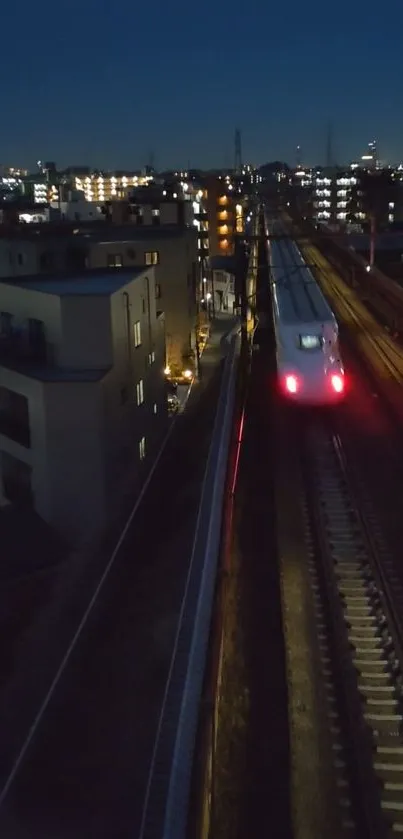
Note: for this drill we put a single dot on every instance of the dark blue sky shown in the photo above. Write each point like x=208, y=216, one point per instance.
x=105, y=81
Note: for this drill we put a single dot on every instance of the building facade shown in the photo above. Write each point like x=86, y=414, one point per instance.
x=350, y=196
x=173, y=254
x=51, y=185
x=82, y=394
x=225, y=215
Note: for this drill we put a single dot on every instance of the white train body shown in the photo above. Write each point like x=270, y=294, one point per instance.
x=309, y=365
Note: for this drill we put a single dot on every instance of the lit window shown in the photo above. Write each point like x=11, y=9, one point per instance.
x=137, y=333
x=155, y=408
x=142, y=448
x=151, y=357
x=114, y=260
x=157, y=291
x=152, y=258
x=155, y=212
x=140, y=392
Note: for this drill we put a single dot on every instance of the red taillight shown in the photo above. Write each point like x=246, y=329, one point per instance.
x=338, y=384
x=291, y=384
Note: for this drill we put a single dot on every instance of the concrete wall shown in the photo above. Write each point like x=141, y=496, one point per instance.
x=75, y=478
x=18, y=258
x=86, y=332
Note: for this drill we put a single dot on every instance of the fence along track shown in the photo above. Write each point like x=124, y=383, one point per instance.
x=359, y=640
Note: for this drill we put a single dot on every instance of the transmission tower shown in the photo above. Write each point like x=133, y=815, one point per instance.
x=298, y=157
x=150, y=165
x=238, y=151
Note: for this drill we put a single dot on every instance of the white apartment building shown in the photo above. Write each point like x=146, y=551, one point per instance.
x=332, y=194
x=82, y=394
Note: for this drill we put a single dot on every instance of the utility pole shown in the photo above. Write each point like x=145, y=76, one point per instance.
x=240, y=289
x=199, y=293
x=372, y=242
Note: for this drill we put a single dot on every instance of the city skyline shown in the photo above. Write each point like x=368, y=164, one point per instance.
x=114, y=96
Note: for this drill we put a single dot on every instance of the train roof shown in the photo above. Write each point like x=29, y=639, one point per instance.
x=297, y=295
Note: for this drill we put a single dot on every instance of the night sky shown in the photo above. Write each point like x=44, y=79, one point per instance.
x=105, y=82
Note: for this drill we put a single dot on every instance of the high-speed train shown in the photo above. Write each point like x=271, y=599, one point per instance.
x=309, y=365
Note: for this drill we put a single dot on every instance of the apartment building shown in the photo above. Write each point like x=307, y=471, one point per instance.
x=171, y=249
x=350, y=196
x=173, y=253
x=82, y=393
x=225, y=215
x=50, y=185
x=151, y=206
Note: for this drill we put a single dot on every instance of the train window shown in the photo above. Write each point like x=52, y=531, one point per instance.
x=310, y=342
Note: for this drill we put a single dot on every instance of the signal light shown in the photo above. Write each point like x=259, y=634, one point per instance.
x=291, y=384
x=337, y=384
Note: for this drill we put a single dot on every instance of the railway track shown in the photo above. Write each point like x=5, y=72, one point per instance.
x=359, y=635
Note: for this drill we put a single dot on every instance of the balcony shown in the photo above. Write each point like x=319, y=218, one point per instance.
x=15, y=429
x=17, y=480
x=14, y=417
x=25, y=345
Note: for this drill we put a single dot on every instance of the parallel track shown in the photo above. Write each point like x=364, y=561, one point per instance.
x=359, y=637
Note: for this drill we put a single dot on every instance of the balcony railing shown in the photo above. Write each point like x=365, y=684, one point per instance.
x=17, y=491
x=14, y=428
x=18, y=348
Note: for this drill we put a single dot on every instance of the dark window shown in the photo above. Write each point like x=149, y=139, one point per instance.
x=37, y=339
x=131, y=253
x=14, y=416
x=46, y=260
x=144, y=305
x=123, y=395
x=156, y=221
x=6, y=323
x=157, y=291
x=16, y=480
x=20, y=259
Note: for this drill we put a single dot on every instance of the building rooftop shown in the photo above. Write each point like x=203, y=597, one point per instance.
x=132, y=233
x=50, y=373
x=102, y=282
